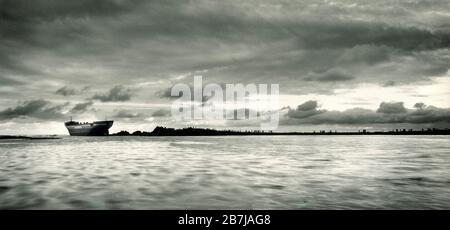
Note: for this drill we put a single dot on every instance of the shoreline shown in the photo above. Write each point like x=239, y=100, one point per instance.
x=20, y=137
x=163, y=131
x=166, y=132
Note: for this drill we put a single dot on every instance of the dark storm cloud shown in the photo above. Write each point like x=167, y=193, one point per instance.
x=49, y=9
x=332, y=75
x=70, y=91
x=19, y=18
x=210, y=23
x=305, y=46
x=241, y=114
x=40, y=109
x=391, y=113
x=66, y=91
x=27, y=27
x=307, y=109
x=338, y=34
x=419, y=105
x=391, y=107
x=367, y=53
x=81, y=107
x=308, y=106
x=117, y=93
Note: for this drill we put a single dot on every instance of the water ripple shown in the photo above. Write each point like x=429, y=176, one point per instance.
x=261, y=172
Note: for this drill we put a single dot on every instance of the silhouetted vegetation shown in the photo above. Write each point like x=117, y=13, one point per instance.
x=163, y=131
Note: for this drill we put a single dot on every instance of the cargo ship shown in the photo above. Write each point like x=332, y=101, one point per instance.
x=96, y=128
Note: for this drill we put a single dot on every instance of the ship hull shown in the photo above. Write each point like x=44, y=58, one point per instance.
x=100, y=128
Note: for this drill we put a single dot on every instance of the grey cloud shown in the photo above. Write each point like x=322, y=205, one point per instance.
x=167, y=93
x=185, y=36
x=70, y=91
x=161, y=113
x=305, y=46
x=331, y=75
x=428, y=114
x=6, y=81
x=81, y=107
x=352, y=116
x=10, y=60
x=48, y=26
x=25, y=14
x=363, y=33
x=128, y=114
x=391, y=107
x=40, y=109
x=309, y=105
x=86, y=88
x=392, y=114
x=369, y=54
x=304, y=110
x=50, y=9
x=419, y=105
x=66, y=91
x=117, y=93
x=242, y=114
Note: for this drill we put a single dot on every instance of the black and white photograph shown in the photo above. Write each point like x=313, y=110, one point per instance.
x=225, y=105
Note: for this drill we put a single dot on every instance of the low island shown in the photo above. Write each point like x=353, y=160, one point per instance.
x=163, y=131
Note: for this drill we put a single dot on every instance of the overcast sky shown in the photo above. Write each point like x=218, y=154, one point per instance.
x=340, y=64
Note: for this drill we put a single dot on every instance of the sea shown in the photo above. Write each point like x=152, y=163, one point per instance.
x=226, y=172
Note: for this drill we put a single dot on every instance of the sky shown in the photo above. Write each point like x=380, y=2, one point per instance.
x=343, y=65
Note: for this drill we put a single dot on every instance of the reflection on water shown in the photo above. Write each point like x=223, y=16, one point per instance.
x=255, y=172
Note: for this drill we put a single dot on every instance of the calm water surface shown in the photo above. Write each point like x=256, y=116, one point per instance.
x=254, y=172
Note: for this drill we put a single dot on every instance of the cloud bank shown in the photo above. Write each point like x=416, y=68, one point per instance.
x=40, y=109
x=117, y=93
x=387, y=113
